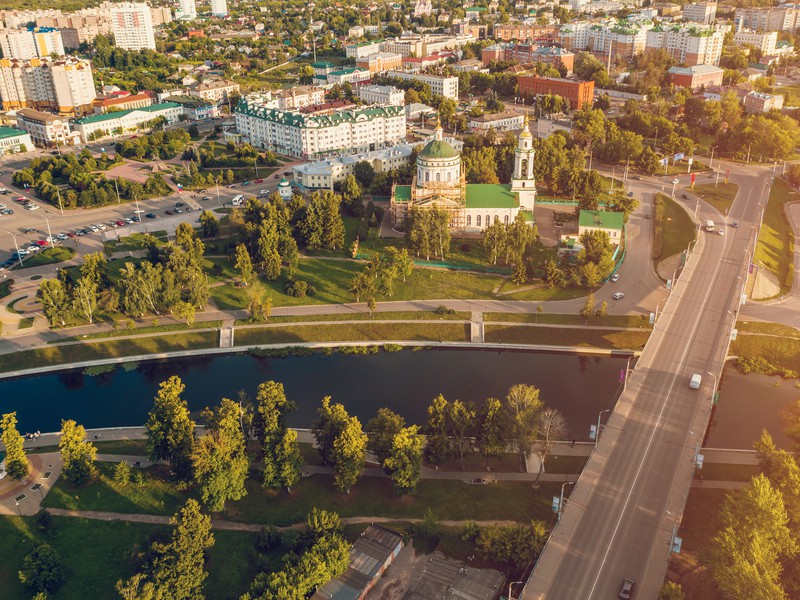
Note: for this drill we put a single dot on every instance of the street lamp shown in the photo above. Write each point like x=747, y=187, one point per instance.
x=715, y=382
x=18, y=508
x=627, y=370
x=49, y=233
x=561, y=502
x=509, y=587
x=19, y=256
x=675, y=182
x=597, y=431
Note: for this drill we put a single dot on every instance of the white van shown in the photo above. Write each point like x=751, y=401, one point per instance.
x=710, y=225
x=695, y=381
x=238, y=200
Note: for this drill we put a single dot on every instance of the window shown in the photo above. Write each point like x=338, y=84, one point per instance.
x=505, y=220
x=427, y=177
x=477, y=220
x=449, y=175
x=496, y=218
x=438, y=177
x=469, y=220
x=487, y=220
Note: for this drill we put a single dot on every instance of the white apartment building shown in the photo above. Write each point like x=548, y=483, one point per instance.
x=373, y=29
x=351, y=76
x=294, y=98
x=219, y=90
x=355, y=32
x=382, y=94
x=504, y=121
x=31, y=43
x=700, y=12
x=117, y=123
x=622, y=40
x=444, y=86
x=219, y=8
x=160, y=15
x=575, y=36
x=323, y=174
x=764, y=41
x=363, y=49
x=785, y=17
x=187, y=10
x=689, y=45
x=132, y=26
x=45, y=129
x=321, y=134
x=63, y=86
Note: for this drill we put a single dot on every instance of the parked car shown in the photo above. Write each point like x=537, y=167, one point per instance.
x=31, y=207
x=128, y=220
x=62, y=236
x=244, y=183
x=41, y=243
x=277, y=175
x=120, y=223
x=618, y=296
x=7, y=211
x=71, y=235
x=169, y=211
x=735, y=225
x=615, y=277
x=179, y=204
x=178, y=210
x=206, y=198
x=150, y=216
x=259, y=180
x=721, y=231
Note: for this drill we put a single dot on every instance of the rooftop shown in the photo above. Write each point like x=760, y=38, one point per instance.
x=116, y=115
x=490, y=195
x=438, y=149
x=7, y=132
x=601, y=218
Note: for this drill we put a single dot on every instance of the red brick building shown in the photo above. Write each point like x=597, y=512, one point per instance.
x=579, y=93
x=696, y=77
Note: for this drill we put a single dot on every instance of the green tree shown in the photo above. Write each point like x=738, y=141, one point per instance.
x=323, y=523
x=330, y=422
x=364, y=173
x=349, y=454
x=621, y=202
x=84, y=298
x=495, y=238
x=54, y=299
x=588, y=307
x=244, y=265
x=515, y=545
x=746, y=553
x=77, y=455
x=351, y=194
x=554, y=275
x=42, y=570
x=522, y=410
x=461, y=426
x=288, y=459
x=382, y=430
x=170, y=431
x=438, y=448
x=95, y=269
x=209, y=224
x=404, y=463
x=281, y=462
x=219, y=459
x=16, y=462
x=400, y=262
x=361, y=284
x=490, y=438
x=670, y=591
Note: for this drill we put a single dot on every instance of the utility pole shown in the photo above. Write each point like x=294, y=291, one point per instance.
x=60, y=206
x=748, y=153
x=711, y=162
x=116, y=187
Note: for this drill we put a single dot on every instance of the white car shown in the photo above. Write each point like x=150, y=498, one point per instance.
x=32, y=248
x=62, y=236
x=93, y=227
x=618, y=296
x=31, y=207
x=721, y=231
x=615, y=277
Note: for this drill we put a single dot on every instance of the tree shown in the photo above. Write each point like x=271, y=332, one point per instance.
x=330, y=422
x=364, y=173
x=490, y=439
x=288, y=459
x=77, y=455
x=16, y=462
x=400, y=262
x=42, y=570
x=281, y=463
x=438, y=449
x=588, y=307
x=84, y=298
x=351, y=194
x=54, y=299
x=522, y=413
x=244, y=264
x=219, y=459
x=170, y=431
x=404, y=463
x=554, y=275
x=746, y=553
x=94, y=268
x=670, y=591
x=494, y=240
x=515, y=545
x=460, y=425
x=349, y=454
x=209, y=224
x=550, y=427
x=322, y=522
x=361, y=284
x=621, y=202
x=382, y=430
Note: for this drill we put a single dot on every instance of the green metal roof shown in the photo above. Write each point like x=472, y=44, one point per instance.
x=438, y=149
x=601, y=218
x=116, y=115
x=190, y=101
x=296, y=119
x=528, y=215
x=7, y=132
x=402, y=193
x=490, y=195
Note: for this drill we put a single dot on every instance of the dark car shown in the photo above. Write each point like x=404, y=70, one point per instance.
x=150, y=216
x=245, y=183
x=684, y=196
x=735, y=225
x=179, y=204
x=627, y=589
x=169, y=211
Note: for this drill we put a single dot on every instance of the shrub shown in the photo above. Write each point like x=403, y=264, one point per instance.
x=122, y=473
x=298, y=288
x=41, y=569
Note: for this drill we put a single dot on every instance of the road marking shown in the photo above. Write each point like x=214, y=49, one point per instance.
x=653, y=434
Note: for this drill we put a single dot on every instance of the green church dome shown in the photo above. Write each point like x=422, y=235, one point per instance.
x=438, y=149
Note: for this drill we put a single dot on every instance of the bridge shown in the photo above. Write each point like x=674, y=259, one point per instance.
x=626, y=507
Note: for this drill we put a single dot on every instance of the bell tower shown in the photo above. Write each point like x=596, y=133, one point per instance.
x=524, y=183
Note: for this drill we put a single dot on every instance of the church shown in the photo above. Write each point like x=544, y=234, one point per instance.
x=439, y=181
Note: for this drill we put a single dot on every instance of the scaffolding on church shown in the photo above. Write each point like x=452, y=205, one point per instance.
x=445, y=195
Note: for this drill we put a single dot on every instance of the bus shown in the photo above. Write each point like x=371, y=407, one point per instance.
x=710, y=225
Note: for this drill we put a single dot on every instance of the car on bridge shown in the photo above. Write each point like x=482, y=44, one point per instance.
x=627, y=589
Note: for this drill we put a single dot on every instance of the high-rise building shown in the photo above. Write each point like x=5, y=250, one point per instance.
x=64, y=86
x=132, y=25
x=30, y=43
x=219, y=8
x=700, y=12
x=186, y=10
x=688, y=45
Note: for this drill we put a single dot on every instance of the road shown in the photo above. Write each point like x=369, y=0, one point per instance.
x=619, y=520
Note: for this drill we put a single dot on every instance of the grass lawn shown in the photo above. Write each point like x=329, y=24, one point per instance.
x=720, y=197
x=568, y=319
x=782, y=352
x=537, y=293
x=136, y=447
x=552, y=336
x=774, y=249
x=169, y=327
x=374, y=496
x=48, y=257
x=353, y=332
x=57, y=355
x=5, y=288
x=417, y=315
x=134, y=242
x=729, y=472
x=767, y=328
x=95, y=554
x=676, y=229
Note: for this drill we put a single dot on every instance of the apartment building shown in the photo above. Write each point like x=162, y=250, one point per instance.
x=129, y=102
x=689, y=45
x=45, y=129
x=363, y=49
x=575, y=36
x=350, y=75
x=759, y=102
x=529, y=53
x=296, y=97
x=380, y=62
x=700, y=12
x=381, y=94
x=78, y=29
x=132, y=26
x=31, y=43
x=696, y=77
x=161, y=15
x=579, y=93
x=765, y=41
x=504, y=121
x=64, y=86
x=622, y=40
x=187, y=10
x=219, y=8
x=219, y=90
x=117, y=123
x=524, y=32
x=320, y=134
x=323, y=174
x=785, y=17
x=444, y=86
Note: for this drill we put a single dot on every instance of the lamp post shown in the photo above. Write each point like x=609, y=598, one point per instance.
x=49, y=233
x=19, y=256
x=512, y=584
x=627, y=370
x=216, y=180
x=711, y=162
x=18, y=508
x=715, y=382
x=597, y=432
x=561, y=502
x=116, y=187
x=675, y=183
x=255, y=163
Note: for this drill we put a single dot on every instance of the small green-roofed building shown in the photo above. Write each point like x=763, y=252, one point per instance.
x=14, y=140
x=402, y=193
x=603, y=220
